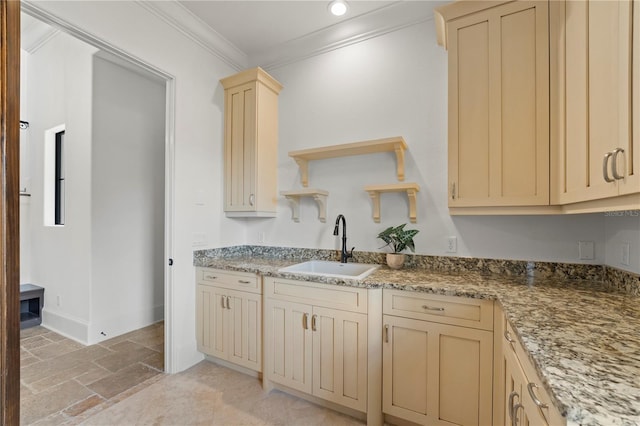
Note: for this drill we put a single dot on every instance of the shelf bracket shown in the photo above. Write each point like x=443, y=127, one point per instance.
x=410, y=188
x=303, y=165
x=400, y=162
x=318, y=195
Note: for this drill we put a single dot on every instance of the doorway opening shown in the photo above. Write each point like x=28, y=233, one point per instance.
x=117, y=166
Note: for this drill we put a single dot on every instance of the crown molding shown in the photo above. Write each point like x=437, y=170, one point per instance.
x=180, y=18
x=37, y=35
x=376, y=23
x=384, y=20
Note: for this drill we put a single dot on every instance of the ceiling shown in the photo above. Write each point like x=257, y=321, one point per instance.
x=269, y=33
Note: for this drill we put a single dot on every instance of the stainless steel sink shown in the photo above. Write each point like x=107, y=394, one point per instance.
x=324, y=268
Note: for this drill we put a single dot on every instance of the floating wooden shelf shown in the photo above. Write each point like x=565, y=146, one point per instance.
x=319, y=196
x=396, y=144
x=410, y=188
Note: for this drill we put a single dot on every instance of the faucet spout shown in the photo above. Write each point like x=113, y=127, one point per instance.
x=344, y=254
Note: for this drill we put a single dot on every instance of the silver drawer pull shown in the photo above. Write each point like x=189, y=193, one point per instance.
x=244, y=282
x=530, y=387
x=210, y=277
x=432, y=308
x=507, y=336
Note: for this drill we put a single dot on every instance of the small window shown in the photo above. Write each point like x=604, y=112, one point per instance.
x=54, y=176
x=59, y=180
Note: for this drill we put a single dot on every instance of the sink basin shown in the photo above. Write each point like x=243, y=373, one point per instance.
x=325, y=268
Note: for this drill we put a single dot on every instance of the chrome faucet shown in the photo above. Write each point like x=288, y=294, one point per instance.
x=344, y=255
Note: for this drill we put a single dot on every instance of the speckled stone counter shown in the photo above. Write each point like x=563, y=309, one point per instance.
x=582, y=336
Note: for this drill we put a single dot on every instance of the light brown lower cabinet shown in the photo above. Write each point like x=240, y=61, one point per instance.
x=436, y=373
x=229, y=320
x=319, y=346
x=523, y=400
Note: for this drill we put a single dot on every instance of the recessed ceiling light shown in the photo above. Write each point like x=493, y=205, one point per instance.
x=338, y=7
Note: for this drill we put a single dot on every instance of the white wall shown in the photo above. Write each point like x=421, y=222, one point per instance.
x=623, y=228
x=198, y=137
x=59, y=92
x=388, y=86
x=25, y=177
x=127, y=200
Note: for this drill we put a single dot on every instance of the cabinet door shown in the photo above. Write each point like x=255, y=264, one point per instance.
x=340, y=357
x=514, y=380
x=240, y=147
x=289, y=344
x=595, y=78
x=631, y=183
x=499, y=107
x=244, y=319
x=205, y=312
x=437, y=374
x=211, y=320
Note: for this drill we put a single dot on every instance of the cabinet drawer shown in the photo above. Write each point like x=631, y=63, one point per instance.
x=533, y=388
x=317, y=294
x=244, y=281
x=475, y=313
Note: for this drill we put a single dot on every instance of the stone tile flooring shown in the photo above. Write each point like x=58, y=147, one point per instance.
x=119, y=382
x=208, y=394
x=64, y=382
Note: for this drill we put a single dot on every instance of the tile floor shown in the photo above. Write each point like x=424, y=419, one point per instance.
x=119, y=382
x=64, y=382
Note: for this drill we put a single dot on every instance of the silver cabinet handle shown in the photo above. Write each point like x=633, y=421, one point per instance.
x=432, y=308
x=453, y=191
x=605, y=171
x=222, y=300
x=252, y=199
x=386, y=333
x=314, y=319
x=228, y=303
x=507, y=336
x=305, y=324
x=614, y=164
x=530, y=387
x=244, y=282
x=514, y=419
x=512, y=395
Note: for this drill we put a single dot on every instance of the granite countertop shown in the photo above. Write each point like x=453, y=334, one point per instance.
x=582, y=337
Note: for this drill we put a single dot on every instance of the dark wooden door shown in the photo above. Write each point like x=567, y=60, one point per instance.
x=9, y=212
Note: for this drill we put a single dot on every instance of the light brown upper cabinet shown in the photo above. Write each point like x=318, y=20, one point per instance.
x=498, y=102
x=595, y=106
x=250, y=144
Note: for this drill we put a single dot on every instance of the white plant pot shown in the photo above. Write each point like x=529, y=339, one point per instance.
x=395, y=260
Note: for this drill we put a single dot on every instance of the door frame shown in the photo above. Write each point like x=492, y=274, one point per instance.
x=169, y=178
x=9, y=212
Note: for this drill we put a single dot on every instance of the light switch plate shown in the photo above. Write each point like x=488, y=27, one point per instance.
x=626, y=248
x=586, y=250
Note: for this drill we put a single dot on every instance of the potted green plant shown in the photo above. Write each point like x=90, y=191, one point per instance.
x=398, y=239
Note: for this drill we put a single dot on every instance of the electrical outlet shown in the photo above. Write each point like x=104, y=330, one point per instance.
x=452, y=244
x=626, y=248
x=261, y=237
x=58, y=300
x=586, y=250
